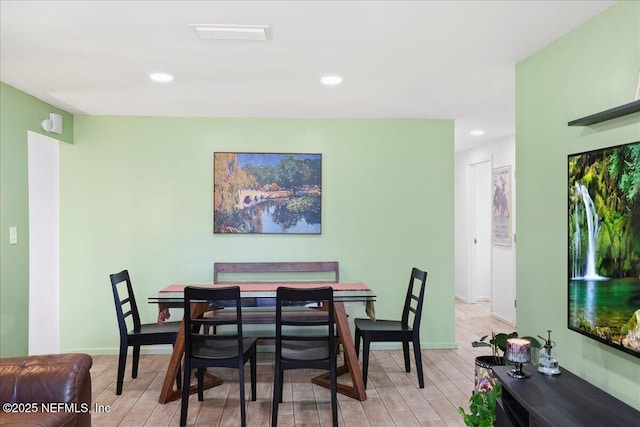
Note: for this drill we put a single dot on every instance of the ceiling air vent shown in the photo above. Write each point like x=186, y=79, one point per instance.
x=232, y=32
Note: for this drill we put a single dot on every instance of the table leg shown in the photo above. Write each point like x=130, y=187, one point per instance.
x=168, y=393
x=351, y=365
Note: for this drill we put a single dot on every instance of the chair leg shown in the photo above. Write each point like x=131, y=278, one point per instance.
x=333, y=374
x=418, y=355
x=185, y=393
x=253, y=363
x=200, y=384
x=365, y=358
x=358, y=335
x=122, y=361
x=136, y=359
x=277, y=386
x=280, y=373
x=243, y=410
x=405, y=351
x=281, y=386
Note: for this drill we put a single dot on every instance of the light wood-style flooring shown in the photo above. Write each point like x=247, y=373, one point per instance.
x=394, y=398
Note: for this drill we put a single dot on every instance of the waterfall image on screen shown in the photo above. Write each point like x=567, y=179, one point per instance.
x=604, y=245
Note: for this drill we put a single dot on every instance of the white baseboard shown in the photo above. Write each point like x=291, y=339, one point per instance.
x=162, y=349
x=503, y=319
x=425, y=346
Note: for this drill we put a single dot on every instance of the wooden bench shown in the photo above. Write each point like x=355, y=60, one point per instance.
x=283, y=272
x=262, y=311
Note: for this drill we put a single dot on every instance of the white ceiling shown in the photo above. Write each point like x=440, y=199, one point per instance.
x=399, y=59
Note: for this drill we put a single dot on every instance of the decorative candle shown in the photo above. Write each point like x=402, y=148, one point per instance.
x=519, y=350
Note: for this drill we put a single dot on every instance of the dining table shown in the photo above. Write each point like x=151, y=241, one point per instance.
x=172, y=296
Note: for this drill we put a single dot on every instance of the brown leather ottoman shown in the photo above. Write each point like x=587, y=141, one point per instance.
x=48, y=390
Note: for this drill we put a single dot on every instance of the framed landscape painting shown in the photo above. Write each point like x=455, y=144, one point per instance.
x=267, y=193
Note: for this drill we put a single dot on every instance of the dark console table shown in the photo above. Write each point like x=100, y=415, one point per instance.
x=563, y=400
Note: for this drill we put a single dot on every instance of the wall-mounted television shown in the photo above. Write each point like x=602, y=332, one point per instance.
x=604, y=245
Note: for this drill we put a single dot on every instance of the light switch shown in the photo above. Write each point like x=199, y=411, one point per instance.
x=13, y=235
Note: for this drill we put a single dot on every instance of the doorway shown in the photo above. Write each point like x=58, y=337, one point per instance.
x=44, y=243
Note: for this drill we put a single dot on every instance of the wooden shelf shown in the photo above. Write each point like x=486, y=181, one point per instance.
x=612, y=113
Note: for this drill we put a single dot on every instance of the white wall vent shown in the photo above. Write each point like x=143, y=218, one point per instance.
x=232, y=32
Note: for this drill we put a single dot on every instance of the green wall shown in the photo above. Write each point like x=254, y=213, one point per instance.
x=19, y=113
x=136, y=193
x=593, y=68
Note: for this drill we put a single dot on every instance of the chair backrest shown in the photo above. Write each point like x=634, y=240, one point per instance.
x=414, y=299
x=319, y=319
x=125, y=307
x=196, y=330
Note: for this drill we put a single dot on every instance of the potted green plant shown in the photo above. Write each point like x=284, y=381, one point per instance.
x=482, y=407
x=484, y=378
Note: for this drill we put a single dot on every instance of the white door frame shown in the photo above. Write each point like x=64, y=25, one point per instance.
x=44, y=243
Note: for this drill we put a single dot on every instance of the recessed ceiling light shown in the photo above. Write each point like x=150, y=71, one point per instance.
x=476, y=132
x=161, y=77
x=331, y=80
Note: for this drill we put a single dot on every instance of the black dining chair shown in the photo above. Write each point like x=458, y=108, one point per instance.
x=297, y=349
x=136, y=334
x=226, y=348
x=396, y=330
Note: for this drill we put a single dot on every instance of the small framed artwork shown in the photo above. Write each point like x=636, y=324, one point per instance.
x=267, y=193
x=501, y=206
